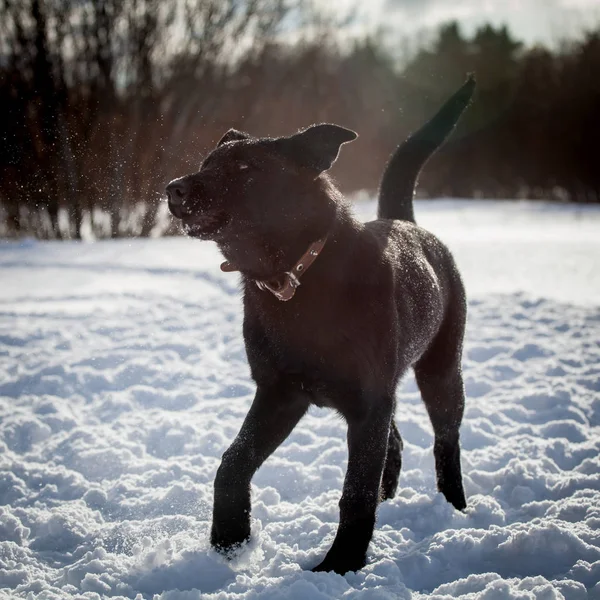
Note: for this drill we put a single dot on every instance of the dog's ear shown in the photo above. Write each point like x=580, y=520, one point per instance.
x=233, y=135
x=316, y=147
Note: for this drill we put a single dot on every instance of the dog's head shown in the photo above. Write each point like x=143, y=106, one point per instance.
x=258, y=186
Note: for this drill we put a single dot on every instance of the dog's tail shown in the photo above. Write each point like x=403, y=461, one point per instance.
x=400, y=175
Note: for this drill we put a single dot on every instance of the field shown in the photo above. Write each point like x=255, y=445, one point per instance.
x=123, y=379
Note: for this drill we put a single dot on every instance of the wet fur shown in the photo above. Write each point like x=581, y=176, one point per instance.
x=381, y=298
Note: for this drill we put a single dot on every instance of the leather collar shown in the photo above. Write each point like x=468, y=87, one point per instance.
x=284, y=287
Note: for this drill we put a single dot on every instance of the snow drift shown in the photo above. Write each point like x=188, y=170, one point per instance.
x=123, y=379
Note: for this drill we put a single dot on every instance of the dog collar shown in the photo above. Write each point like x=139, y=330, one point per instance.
x=284, y=288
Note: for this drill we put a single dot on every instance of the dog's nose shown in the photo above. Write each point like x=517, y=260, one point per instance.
x=176, y=192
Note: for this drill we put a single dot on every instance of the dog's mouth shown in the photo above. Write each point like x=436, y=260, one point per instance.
x=206, y=225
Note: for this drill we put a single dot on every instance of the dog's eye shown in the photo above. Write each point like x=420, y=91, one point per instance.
x=242, y=166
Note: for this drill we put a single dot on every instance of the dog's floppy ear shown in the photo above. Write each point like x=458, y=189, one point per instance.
x=316, y=147
x=233, y=135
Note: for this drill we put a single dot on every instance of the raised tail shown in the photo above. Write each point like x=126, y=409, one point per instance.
x=400, y=175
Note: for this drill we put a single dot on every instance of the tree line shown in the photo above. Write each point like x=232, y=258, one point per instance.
x=104, y=101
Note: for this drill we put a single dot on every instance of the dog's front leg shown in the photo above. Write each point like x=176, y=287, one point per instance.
x=367, y=446
x=272, y=416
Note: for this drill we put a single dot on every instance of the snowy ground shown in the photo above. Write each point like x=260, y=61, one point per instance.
x=123, y=379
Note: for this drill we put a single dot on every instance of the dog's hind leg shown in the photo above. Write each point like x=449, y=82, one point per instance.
x=439, y=377
x=443, y=395
x=273, y=414
x=393, y=464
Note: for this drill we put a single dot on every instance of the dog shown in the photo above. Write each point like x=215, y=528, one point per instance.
x=335, y=312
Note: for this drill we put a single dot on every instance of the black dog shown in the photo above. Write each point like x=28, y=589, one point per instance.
x=375, y=299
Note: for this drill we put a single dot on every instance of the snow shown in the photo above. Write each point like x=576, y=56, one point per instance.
x=123, y=379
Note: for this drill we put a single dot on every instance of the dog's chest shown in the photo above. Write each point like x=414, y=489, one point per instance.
x=323, y=344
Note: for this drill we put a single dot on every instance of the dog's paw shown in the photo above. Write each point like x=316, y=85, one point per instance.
x=228, y=550
x=227, y=541
x=340, y=564
x=455, y=496
x=459, y=503
x=388, y=490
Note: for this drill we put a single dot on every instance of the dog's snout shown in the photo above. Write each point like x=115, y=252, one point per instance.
x=176, y=193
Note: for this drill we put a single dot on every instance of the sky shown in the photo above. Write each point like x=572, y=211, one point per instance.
x=532, y=21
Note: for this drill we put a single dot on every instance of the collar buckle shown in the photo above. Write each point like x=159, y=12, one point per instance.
x=285, y=291
x=291, y=281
